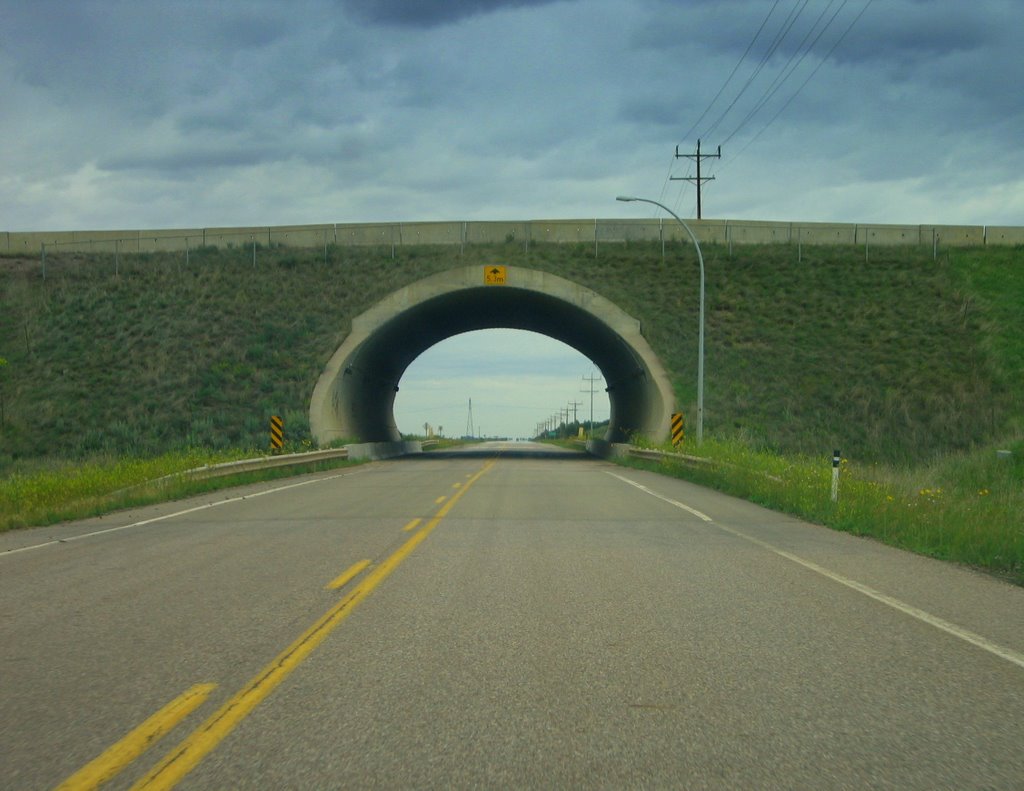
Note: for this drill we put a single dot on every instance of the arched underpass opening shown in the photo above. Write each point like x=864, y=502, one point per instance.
x=500, y=384
x=354, y=397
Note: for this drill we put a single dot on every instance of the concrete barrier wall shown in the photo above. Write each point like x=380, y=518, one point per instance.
x=370, y=234
x=172, y=241
x=496, y=231
x=759, y=232
x=1004, y=234
x=591, y=232
x=301, y=235
x=236, y=237
x=888, y=234
x=954, y=235
x=824, y=233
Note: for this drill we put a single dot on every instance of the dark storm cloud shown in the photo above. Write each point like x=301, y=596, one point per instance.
x=188, y=161
x=911, y=32
x=144, y=57
x=242, y=112
x=429, y=13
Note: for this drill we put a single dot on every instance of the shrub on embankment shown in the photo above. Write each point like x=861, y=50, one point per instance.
x=897, y=358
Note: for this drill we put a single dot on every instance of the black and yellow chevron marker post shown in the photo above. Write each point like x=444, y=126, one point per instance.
x=276, y=434
x=677, y=429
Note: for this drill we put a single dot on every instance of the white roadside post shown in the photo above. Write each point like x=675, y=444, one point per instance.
x=835, y=476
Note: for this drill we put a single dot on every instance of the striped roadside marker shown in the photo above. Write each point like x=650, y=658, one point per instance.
x=677, y=429
x=276, y=433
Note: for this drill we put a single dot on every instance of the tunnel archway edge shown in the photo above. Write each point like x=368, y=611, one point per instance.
x=354, y=395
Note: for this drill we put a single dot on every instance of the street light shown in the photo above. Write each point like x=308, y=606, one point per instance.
x=700, y=350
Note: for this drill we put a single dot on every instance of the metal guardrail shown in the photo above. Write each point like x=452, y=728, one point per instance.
x=659, y=455
x=260, y=463
x=697, y=461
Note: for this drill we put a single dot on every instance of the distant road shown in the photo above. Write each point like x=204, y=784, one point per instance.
x=528, y=618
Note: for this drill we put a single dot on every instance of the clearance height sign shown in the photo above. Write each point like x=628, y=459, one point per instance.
x=494, y=275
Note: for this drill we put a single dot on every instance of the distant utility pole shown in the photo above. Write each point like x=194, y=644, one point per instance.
x=574, y=405
x=699, y=180
x=591, y=379
x=469, y=420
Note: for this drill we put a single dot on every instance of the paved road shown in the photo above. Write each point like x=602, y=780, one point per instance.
x=553, y=621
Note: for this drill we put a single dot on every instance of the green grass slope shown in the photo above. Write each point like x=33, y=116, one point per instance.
x=897, y=358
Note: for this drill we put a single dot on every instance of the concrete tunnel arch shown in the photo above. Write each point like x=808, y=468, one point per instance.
x=355, y=395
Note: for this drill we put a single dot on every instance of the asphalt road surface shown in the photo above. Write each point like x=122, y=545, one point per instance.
x=514, y=618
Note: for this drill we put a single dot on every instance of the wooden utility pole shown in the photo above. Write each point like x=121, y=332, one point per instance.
x=699, y=180
x=591, y=379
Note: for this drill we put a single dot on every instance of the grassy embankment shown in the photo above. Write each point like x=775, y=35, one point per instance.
x=961, y=505
x=898, y=361
x=56, y=492
x=965, y=507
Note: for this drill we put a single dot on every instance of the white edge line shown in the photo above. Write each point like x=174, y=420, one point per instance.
x=908, y=609
x=676, y=503
x=177, y=513
x=966, y=635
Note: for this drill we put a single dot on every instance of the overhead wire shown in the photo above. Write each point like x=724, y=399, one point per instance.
x=802, y=50
x=735, y=68
x=787, y=25
x=707, y=109
x=787, y=71
x=810, y=76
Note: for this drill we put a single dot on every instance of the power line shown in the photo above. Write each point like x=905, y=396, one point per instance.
x=664, y=187
x=735, y=68
x=803, y=84
x=693, y=128
x=787, y=71
x=787, y=25
x=591, y=379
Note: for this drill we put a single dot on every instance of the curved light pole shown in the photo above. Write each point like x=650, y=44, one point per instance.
x=700, y=349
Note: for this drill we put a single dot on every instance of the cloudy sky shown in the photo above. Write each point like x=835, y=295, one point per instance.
x=169, y=114
x=515, y=380
x=179, y=114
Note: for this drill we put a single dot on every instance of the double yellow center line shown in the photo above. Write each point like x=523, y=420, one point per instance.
x=187, y=755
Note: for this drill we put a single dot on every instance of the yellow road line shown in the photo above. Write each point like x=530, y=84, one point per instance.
x=412, y=525
x=440, y=499
x=456, y=485
x=116, y=757
x=187, y=755
x=347, y=576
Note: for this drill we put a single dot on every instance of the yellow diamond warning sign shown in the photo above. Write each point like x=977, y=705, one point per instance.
x=494, y=275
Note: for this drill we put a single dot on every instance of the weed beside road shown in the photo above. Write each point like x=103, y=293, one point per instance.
x=58, y=492
x=964, y=508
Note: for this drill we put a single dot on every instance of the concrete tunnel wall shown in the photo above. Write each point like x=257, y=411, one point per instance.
x=354, y=397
